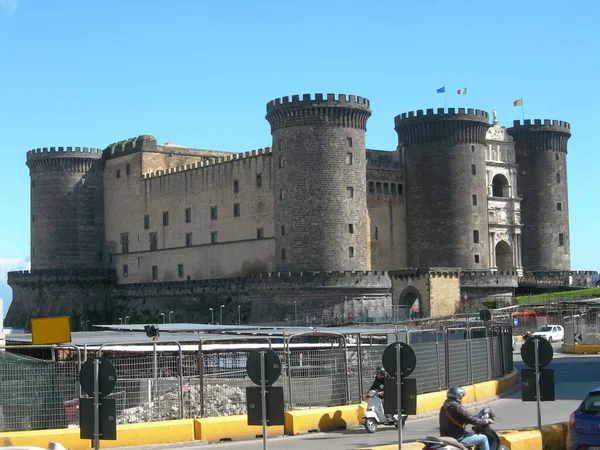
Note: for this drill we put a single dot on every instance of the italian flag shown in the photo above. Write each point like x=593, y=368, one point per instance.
x=462, y=91
x=518, y=102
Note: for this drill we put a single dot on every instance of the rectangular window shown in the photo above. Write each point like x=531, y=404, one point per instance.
x=32, y=184
x=33, y=218
x=153, y=241
x=350, y=192
x=260, y=233
x=180, y=271
x=476, y=236
x=561, y=239
x=283, y=253
x=349, y=141
x=33, y=252
x=139, y=262
x=118, y=173
x=188, y=215
x=280, y=162
x=188, y=239
x=125, y=270
x=559, y=206
x=476, y=257
x=349, y=158
x=558, y=178
x=128, y=169
x=236, y=210
x=472, y=149
x=213, y=213
x=236, y=186
x=350, y=228
x=166, y=219
x=125, y=243
x=557, y=156
x=282, y=194
x=213, y=237
x=283, y=230
x=473, y=169
x=259, y=180
x=146, y=222
x=351, y=252
x=376, y=233
x=474, y=200
x=154, y=273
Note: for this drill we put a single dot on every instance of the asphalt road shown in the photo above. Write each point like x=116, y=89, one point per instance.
x=574, y=377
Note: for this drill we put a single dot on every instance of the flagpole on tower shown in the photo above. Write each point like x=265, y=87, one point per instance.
x=522, y=110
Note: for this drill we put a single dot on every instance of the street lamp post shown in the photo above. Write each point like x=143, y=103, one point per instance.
x=295, y=313
x=221, y=313
x=126, y=319
x=120, y=321
x=163, y=317
x=170, y=313
x=239, y=315
x=211, y=315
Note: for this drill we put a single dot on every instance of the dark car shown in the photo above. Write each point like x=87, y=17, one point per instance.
x=584, y=424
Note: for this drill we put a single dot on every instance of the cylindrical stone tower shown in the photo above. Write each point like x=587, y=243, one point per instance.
x=67, y=208
x=446, y=192
x=541, y=156
x=320, y=180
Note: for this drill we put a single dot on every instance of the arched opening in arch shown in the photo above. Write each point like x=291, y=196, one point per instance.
x=399, y=189
x=378, y=187
x=500, y=186
x=504, y=257
x=410, y=304
x=393, y=188
x=386, y=189
x=371, y=187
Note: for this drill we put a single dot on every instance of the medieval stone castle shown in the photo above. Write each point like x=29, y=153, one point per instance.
x=316, y=223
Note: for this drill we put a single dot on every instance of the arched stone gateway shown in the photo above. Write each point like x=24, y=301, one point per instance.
x=500, y=186
x=410, y=304
x=504, y=257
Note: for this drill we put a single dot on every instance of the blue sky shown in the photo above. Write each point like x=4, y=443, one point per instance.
x=199, y=73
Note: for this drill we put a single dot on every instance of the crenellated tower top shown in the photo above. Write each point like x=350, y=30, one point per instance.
x=538, y=135
x=342, y=110
x=441, y=125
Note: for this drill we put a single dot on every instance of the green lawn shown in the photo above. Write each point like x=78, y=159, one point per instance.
x=580, y=294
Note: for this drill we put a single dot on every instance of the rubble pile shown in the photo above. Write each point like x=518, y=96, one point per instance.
x=220, y=400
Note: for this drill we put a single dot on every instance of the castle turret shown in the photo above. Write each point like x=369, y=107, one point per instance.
x=541, y=156
x=67, y=208
x=320, y=165
x=446, y=192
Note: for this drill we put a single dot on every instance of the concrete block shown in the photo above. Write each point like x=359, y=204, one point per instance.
x=215, y=429
x=322, y=419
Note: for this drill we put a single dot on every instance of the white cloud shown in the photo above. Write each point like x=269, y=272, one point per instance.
x=8, y=5
x=8, y=265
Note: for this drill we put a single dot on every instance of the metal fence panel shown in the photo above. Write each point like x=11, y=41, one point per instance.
x=458, y=362
x=371, y=359
x=498, y=369
x=479, y=359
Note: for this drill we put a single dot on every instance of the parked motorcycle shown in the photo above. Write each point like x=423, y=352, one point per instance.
x=374, y=415
x=448, y=443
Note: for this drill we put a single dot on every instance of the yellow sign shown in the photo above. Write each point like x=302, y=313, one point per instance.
x=51, y=330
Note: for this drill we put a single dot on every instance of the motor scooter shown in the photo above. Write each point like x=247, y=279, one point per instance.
x=448, y=443
x=374, y=415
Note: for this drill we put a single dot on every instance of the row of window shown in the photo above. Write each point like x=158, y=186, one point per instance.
x=561, y=238
x=385, y=188
x=127, y=171
x=180, y=272
x=188, y=215
x=350, y=253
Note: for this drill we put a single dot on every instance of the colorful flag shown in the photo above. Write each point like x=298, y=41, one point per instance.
x=518, y=102
x=441, y=90
x=462, y=91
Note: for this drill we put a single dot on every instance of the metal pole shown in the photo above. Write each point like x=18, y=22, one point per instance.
x=96, y=404
x=399, y=392
x=239, y=316
x=295, y=314
x=155, y=399
x=537, y=385
x=180, y=369
x=263, y=396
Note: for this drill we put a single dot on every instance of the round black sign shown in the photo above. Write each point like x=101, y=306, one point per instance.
x=545, y=352
x=107, y=377
x=408, y=359
x=272, y=366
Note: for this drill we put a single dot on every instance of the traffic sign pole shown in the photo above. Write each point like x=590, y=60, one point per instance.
x=96, y=404
x=399, y=392
x=263, y=396
x=537, y=384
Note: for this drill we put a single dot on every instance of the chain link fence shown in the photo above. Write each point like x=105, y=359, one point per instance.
x=167, y=380
x=585, y=326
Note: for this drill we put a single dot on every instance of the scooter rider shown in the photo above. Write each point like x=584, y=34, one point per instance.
x=378, y=383
x=454, y=417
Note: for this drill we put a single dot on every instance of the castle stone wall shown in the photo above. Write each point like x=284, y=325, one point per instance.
x=67, y=217
x=541, y=155
x=445, y=154
x=320, y=189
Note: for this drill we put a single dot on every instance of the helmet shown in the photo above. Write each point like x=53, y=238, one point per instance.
x=457, y=393
x=381, y=371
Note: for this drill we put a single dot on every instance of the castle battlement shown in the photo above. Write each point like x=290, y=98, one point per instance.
x=431, y=115
x=137, y=144
x=62, y=152
x=209, y=162
x=343, y=100
x=545, y=125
